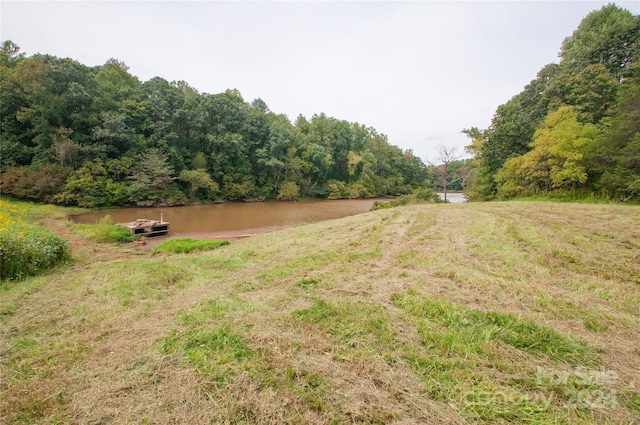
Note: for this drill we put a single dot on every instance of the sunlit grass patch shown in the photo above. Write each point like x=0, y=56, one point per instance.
x=187, y=245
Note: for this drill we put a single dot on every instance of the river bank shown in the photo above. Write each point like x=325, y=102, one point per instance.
x=421, y=314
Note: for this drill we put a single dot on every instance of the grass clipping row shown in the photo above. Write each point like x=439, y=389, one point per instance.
x=465, y=313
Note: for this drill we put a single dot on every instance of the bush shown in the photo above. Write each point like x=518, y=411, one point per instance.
x=27, y=249
x=37, y=183
x=187, y=245
x=428, y=195
x=105, y=231
x=420, y=196
x=397, y=202
x=288, y=192
x=337, y=190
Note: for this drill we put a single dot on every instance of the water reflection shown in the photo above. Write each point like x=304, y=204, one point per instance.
x=454, y=198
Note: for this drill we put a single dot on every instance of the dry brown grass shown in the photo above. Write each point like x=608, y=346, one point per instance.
x=300, y=325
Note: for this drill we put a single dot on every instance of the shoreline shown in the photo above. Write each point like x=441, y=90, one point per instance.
x=231, y=235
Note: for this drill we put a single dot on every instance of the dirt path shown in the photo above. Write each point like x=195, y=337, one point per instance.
x=85, y=250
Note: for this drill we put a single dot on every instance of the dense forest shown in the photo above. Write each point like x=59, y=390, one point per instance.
x=98, y=136
x=574, y=131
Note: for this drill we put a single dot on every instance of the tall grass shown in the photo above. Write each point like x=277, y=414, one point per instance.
x=25, y=248
x=105, y=231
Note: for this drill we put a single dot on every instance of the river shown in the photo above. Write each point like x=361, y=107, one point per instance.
x=454, y=197
x=236, y=218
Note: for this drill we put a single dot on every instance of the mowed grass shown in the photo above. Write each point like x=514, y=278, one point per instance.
x=519, y=312
x=187, y=245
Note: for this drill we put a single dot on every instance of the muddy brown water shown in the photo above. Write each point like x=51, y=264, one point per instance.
x=236, y=217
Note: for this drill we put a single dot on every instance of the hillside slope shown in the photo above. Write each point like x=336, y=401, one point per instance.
x=467, y=313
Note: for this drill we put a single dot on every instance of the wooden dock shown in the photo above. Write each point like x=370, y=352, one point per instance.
x=147, y=228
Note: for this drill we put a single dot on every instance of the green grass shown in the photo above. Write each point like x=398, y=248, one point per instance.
x=456, y=342
x=105, y=231
x=216, y=353
x=355, y=325
x=422, y=196
x=494, y=313
x=451, y=328
x=27, y=249
x=187, y=245
x=128, y=282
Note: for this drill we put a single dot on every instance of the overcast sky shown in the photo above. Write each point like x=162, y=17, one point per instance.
x=419, y=72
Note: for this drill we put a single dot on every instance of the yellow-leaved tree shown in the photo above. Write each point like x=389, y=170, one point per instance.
x=556, y=159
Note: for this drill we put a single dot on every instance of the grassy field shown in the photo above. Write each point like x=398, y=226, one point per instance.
x=519, y=312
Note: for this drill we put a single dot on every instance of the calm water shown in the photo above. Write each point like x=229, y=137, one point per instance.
x=234, y=217
x=454, y=198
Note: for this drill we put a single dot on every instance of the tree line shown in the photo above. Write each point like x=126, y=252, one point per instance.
x=574, y=129
x=98, y=136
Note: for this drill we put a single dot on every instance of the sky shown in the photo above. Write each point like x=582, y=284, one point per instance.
x=418, y=71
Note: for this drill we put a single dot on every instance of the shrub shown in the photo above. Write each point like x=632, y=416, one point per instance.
x=26, y=249
x=105, y=231
x=37, y=183
x=397, y=202
x=428, y=195
x=187, y=245
x=288, y=191
x=420, y=196
x=337, y=190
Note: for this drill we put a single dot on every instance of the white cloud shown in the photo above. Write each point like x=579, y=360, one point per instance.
x=412, y=70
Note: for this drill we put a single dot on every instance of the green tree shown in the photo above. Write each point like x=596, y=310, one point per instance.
x=595, y=60
x=615, y=158
x=272, y=155
x=37, y=182
x=115, y=85
x=151, y=181
x=98, y=184
x=198, y=179
x=556, y=160
x=114, y=136
x=199, y=161
x=609, y=37
x=85, y=119
x=318, y=162
x=353, y=160
x=592, y=90
x=288, y=191
x=9, y=53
